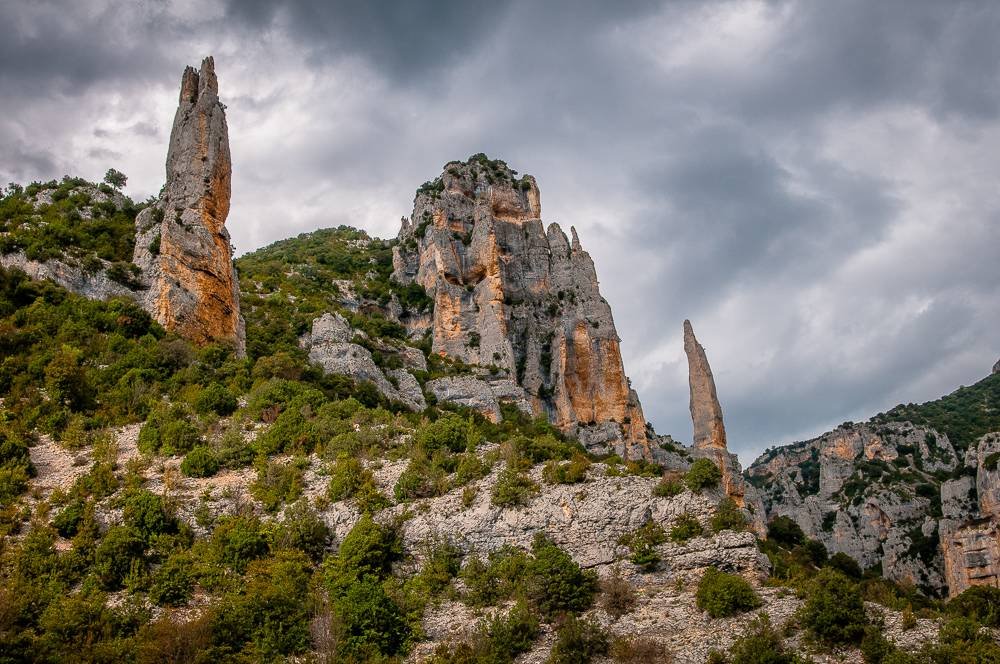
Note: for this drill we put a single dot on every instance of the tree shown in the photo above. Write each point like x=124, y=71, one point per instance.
x=115, y=178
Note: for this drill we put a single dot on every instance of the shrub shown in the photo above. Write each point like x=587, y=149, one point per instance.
x=421, y=479
x=617, y=595
x=703, y=474
x=168, y=431
x=511, y=635
x=555, y=583
x=346, y=477
x=145, y=512
x=761, y=644
x=368, y=550
x=278, y=482
x=785, y=531
x=200, y=462
x=846, y=565
x=643, y=542
x=728, y=516
x=685, y=527
x=640, y=650
x=238, y=540
x=67, y=521
x=668, y=487
x=567, y=472
x=513, y=489
x=498, y=578
x=833, y=611
x=373, y=626
x=578, y=641
x=172, y=583
x=215, y=398
x=980, y=603
x=302, y=528
x=450, y=432
x=113, y=557
x=15, y=467
x=721, y=595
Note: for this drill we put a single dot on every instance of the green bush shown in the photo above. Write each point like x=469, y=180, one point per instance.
x=302, y=528
x=368, y=550
x=728, y=516
x=555, y=583
x=422, y=478
x=278, y=482
x=513, y=489
x=668, y=487
x=215, y=398
x=199, y=462
x=980, y=603
x=567, y=472
x=238, y=540
x=703, y=474
x=642, y=544
x=373, y=626
x=15, y=467
x=498, y=578
x=67, y=520
x=172, y=584
x=449, y=432
x=144, y=512
x=785, y=531
x=721, y=595
x=833, y=611
x=762, y=644
x=168, y=431
x=685, y=527
x=346, y=476
x=578, y=641
x=114, y=556
x=846, y=565
x=496, y=641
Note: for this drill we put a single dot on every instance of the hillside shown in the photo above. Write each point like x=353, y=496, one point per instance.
x=344, y=449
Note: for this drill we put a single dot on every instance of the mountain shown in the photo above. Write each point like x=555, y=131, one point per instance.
x=912, y=492
x=340, y=448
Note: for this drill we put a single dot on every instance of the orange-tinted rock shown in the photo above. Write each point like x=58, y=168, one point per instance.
x=182, y=244
x=516, y=295
x=971, y=554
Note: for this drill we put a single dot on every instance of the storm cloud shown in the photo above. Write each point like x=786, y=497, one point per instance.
x=811, y=183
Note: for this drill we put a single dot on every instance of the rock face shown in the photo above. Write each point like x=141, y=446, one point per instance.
x=873, y=491
x=331, y=346
x=996, y=367
x=511, y=293
x=483, y=395
x=710, y=432
x=182, y=244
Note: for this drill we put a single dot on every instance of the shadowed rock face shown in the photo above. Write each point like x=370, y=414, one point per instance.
x=182, y=244
x=510, y=292
x=996, y=367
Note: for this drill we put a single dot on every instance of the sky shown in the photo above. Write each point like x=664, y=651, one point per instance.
x=812, y=184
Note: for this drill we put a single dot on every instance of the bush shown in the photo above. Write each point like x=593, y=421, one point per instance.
x=728, y=516
x=643, y=542
x=640, y=650
x=498, y=578
x=67, y=521
x=833, y=611
x=846, y=565
x=567, y=472
x=168, y=431
x=450, y=432
x=761, y=644
x=346, y=477
x=980, y=603
x=496, y=641
x=278, y=482
x=238, y=540
x=372, y=625
x=617, y=595
x=302, y=528
x=115, y=554
x=215, y=398
x=785, y=531
x=578, y=641
x=721, y=595
x=368, y=550
x=685, y=527
x=668, y=487
x=513, y=489
x=555, y=583
x=172, y=583
x=199, y=462
x=703, y=474
x=145, y=512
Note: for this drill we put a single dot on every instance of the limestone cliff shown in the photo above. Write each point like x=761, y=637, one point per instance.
x=510, y=292
x=182, y=244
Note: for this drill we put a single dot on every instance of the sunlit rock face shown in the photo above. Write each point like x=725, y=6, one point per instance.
x=182, y=244
x=512, y=293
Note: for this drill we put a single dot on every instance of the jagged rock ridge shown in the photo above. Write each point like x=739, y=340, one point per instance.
x=182, y=244
x=511, y=293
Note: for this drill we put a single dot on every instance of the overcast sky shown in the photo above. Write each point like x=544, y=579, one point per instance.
x=813, y=184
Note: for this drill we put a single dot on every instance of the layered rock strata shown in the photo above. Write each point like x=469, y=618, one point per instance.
x=709, y=439
x=182, y=245
x=511, y=293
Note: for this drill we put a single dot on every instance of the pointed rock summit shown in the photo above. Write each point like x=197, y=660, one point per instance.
x=182, y=244
x=706, y=413
x=996, y=367
x=512, y=293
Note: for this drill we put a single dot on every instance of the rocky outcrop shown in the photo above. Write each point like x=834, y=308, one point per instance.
x=511, y=293
x=482, y=395
x=710, y=432
x=331, y=346
x=996, y=367
x=96, y=285
x=182, y=245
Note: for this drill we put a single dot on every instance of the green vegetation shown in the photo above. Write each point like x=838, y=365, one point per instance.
x=728, y=516
x=721, y=595
x=703, y=474
x=685, y=527
x=578, y=641
x=834, y=611
x=642, y=544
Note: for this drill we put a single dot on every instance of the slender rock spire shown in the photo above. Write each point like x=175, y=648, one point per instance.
x=706, y=413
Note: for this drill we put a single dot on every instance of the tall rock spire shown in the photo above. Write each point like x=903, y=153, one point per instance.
x=182, y=244
x=710, y=432
x=706, y=413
